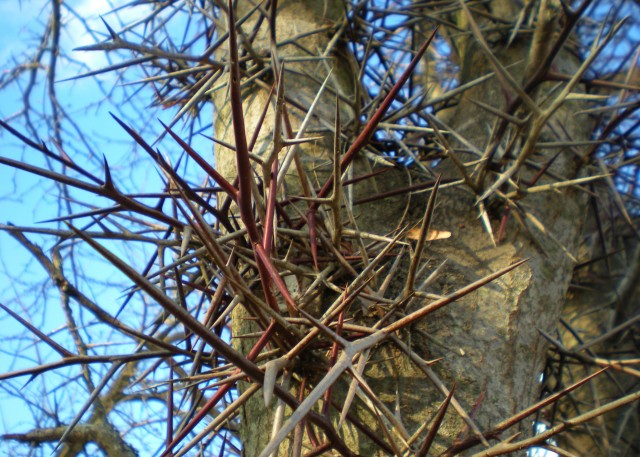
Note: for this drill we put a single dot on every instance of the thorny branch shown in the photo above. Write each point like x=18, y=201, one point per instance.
x=279, y=260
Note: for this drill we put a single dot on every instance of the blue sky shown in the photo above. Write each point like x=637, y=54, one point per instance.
x=26, y=199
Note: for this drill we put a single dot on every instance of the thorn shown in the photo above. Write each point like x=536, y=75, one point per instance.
x=114, y=35
x=108, y=182
x=486, y=222
x=311, y=219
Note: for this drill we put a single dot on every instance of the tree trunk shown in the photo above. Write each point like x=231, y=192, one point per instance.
x=599, y=321
x=491, y=340
x=488, y=342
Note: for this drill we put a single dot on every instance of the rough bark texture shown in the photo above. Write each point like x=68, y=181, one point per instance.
x=603, y=296
x=304, y=25
x=489, y=342
x=497, y=329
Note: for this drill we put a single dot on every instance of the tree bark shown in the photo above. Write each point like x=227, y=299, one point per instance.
x=599, y=320
x=489, y=342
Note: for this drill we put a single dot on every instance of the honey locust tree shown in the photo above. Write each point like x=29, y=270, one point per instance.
x=377, y=258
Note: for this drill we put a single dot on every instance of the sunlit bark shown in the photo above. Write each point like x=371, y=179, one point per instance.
x=489, y=342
